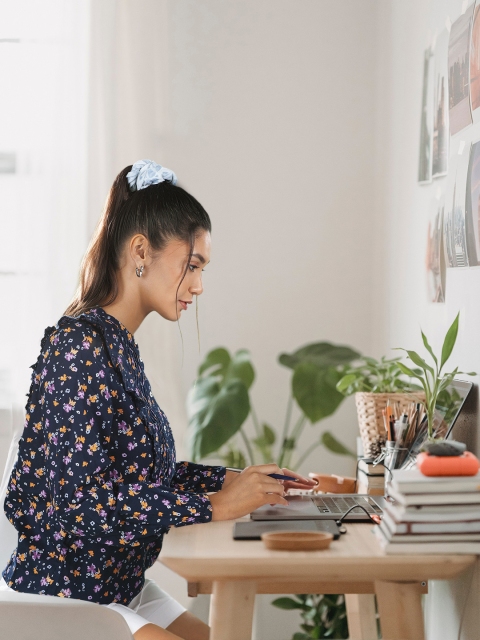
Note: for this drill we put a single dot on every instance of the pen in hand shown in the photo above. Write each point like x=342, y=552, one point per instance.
x=277, y=476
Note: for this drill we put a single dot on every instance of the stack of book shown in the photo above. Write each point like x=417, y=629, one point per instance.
x=370, y=477
x=431, y=514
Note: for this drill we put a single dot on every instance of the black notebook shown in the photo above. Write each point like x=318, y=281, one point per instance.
x=253, y=530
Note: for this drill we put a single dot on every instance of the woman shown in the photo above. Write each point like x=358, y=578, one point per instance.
x=96, y=484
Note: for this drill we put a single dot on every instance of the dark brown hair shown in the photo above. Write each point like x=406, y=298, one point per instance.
x=161, y=212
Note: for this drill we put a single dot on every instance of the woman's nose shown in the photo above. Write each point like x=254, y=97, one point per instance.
x=197, y=288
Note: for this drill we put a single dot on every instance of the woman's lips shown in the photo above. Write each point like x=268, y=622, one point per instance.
x=184, y=304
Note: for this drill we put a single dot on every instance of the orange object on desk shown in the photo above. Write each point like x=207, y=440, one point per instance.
x=465, y=465
x=333, y=483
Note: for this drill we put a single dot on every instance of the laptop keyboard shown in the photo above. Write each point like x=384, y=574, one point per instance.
x=339, y=506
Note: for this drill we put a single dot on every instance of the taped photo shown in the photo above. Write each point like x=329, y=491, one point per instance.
x=440, y=107
x=435, y=256
x=426, y=123
x=460, y=113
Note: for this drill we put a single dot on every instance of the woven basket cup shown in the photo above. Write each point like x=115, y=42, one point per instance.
x=369, y=411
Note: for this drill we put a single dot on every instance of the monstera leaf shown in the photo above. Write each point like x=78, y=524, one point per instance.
x=218, y=403
x=315, y=390
x=321, y=354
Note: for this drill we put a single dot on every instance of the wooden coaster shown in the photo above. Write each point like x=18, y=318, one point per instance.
x=297, y=540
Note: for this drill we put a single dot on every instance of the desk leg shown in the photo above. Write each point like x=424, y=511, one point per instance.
x=231, y=610
x=400, y=608
x=361, y=614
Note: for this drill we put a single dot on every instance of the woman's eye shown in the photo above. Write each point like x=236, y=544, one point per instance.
x=192, y=267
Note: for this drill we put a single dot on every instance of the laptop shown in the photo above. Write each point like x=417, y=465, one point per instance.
x=334, y=506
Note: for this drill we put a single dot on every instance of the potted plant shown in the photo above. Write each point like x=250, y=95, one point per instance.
x=434, y=382
x=219, y=404
x=375, y=383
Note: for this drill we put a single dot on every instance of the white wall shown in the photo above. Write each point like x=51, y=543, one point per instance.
x=405, y=29
x=270, y=126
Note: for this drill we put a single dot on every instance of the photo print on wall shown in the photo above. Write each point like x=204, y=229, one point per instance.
x=475, y=66
x=448, y=212
x=426, y=123
x=440, y=107
x=472, y=213
x=435, y=256
x=458, y=239
x=459, y=72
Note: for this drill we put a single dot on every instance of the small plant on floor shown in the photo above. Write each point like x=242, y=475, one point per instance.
x=324, y=616
x=433, y=381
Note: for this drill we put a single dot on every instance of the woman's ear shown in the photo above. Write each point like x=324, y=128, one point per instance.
x=138, y=247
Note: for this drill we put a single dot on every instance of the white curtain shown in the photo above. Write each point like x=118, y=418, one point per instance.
x=128, y=75
x=43, y=177
x=43, y=191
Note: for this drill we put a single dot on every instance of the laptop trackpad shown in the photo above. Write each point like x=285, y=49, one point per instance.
x=297, y=506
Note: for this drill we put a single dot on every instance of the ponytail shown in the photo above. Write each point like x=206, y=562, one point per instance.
x=161, y=212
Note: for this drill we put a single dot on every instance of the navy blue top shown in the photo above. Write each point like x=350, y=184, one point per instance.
x=96, y=485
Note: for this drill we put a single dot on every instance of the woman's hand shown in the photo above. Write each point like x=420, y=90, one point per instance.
x=302, y=483
x=252, y=488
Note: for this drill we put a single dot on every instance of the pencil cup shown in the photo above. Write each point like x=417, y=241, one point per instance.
x=394, y=459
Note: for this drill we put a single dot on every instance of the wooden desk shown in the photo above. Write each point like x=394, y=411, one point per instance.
x=234, y=571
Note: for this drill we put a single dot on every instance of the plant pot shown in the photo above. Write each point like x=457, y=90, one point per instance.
x=369, y=412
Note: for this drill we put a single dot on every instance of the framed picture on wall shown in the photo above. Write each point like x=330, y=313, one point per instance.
x=472, y=206
x=459, y=72
x=475, y=66
x=435, y=256
x=426, y=122
x=440, y=107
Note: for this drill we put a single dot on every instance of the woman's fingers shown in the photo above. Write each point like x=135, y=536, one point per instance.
x=302, y=479
x=302, y=482
x=263, y=468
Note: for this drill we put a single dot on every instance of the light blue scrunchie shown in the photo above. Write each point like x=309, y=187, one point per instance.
x=147, y=172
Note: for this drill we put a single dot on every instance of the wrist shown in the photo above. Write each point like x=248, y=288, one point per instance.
x=219, y=510
x=229, y=477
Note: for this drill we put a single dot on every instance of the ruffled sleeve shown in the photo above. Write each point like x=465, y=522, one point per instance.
x=198, y=477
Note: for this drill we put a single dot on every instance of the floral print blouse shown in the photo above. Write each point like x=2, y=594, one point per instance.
x=96, y=485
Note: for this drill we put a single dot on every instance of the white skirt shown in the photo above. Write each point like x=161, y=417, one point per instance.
x=151, y=605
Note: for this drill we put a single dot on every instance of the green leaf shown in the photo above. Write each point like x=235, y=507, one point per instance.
x=234, y=458
x=346, y=381
x=321, y=354
x=218, y=358
x=409, y=372
x=449, y=341
x=428, y=347
x=315, y=391
x=200, y=396
x=241, y=367
x=333, y=445
x=288, y=603
x=269, y=434
x=223, y=411
x=418, y=360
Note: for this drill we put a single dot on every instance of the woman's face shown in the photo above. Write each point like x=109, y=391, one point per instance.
x=163, y=273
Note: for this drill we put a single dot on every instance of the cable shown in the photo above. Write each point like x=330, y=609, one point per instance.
x=374, y=518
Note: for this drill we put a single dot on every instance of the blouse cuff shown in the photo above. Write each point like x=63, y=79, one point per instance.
x=200, y=478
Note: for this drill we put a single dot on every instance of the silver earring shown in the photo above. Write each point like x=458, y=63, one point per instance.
x=139, y=271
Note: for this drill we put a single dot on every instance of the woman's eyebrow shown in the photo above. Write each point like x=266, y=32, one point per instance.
x=199, y=256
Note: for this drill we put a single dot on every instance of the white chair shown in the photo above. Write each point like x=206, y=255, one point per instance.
x=36, y=617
